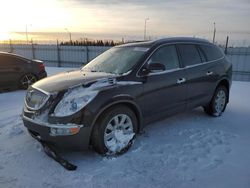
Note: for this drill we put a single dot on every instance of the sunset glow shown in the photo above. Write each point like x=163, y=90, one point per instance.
x=117, y=19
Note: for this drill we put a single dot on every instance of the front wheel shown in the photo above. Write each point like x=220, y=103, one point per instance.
x=115, y=131
x=218, y=103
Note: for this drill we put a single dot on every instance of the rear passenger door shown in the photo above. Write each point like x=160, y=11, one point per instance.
x=200, y=75
x=164, y=92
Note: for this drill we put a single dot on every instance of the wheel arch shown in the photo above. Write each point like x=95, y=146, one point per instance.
x=226, y=83
x=130, y=104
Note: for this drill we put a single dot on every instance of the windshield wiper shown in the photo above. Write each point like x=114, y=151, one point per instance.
x=100, y=71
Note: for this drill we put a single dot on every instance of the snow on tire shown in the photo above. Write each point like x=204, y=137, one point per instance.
x=218, y=103
x=115, y=131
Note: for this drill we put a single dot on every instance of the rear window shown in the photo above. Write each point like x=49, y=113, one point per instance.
x=211, y=52
x=189, y=54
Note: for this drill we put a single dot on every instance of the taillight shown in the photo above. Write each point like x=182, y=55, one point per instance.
x=41, y=67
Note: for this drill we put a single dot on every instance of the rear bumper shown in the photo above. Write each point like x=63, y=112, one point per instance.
x=41, y=132
x=42, y=75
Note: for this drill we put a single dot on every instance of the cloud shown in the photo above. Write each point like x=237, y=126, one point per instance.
x=169, y=17
x=126, y=18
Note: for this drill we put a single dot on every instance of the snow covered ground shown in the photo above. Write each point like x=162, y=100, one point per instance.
x=187, y=150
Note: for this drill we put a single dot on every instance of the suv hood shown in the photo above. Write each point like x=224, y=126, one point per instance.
x=69, y=79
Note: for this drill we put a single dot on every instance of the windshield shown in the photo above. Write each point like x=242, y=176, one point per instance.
x=117, y=60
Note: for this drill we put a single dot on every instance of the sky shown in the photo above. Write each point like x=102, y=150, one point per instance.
x=114, y=19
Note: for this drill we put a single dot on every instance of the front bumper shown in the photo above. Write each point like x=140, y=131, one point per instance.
x=42, y=132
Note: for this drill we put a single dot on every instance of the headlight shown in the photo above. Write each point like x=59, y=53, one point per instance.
x=73, y=101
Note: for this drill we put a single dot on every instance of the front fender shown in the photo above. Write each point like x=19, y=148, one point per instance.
x=122, y=99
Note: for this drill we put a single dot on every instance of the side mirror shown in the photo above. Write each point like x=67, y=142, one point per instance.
x=153, y=67
x=156, y=67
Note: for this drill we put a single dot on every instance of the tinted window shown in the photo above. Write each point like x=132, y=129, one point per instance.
x=211, y=52
x=5, y=60
x=9, y=60
x=189, y=54
x=202, y=55
x=167, y=56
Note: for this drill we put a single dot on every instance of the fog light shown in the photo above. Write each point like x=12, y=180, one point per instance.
x=63, y=131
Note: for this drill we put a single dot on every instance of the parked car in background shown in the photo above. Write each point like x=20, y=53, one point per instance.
x=19, y=72
x=107, y=102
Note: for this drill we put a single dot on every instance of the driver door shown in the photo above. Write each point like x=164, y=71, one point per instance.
x=165, y=92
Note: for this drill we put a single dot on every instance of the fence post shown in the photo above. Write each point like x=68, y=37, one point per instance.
x=58, y=54
x=226, y=45
x=87, y=55
x=11, y=47
x=33, y=50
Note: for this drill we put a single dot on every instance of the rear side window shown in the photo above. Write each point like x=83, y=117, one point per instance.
x=18, y=60
x=167, y=56
x=5, y=60
x=189, y=54
x=211, y=52
x=9, y=60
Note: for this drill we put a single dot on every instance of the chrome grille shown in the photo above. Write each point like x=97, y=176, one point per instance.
x=35, y=99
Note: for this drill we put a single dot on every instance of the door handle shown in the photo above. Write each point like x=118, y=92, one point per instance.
x=181, y=80
x=209, y=73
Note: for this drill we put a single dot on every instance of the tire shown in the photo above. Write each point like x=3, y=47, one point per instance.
x=112, y=137
x=218, y=103
x=27, y=80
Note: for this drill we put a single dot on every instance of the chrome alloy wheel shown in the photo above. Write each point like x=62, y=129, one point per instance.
x=220, y=101
x=27, y=80
x=118, y=133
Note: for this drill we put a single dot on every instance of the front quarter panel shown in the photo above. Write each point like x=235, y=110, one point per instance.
x=118, y=94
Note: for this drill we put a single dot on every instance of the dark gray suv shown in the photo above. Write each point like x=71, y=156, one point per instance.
x=108, y=101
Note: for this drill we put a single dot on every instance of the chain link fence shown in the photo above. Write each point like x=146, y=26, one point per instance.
x=240, y=58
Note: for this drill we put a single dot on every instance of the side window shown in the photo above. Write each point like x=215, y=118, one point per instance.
x=167, y=56
x=212, y=52
x=189, y=54
x=202, y=55
x=8, y=60
x=4, y=60
x=15, y=61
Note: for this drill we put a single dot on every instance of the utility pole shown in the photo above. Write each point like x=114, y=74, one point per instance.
x=145, y=28
x=69, y=35
x=214, y=33
x=26, y=32
x=226, y=45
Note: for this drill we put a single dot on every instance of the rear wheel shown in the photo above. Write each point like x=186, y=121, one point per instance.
x=27, y=80
x=115, y=131
x=218, y=103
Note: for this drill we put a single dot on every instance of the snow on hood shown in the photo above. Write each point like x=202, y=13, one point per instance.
x=81, y=95
x=69, y=79
x=76, y=92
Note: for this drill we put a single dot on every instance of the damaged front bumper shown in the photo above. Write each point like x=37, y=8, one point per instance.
x=64, y=136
